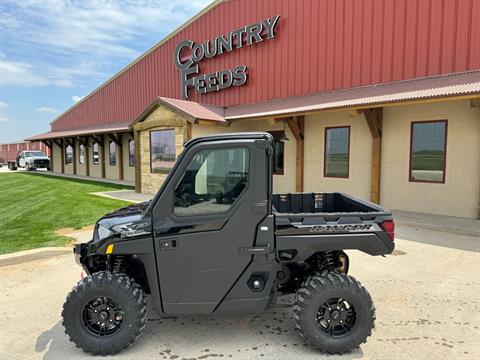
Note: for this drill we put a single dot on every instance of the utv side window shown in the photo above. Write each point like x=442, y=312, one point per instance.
x=212, y=182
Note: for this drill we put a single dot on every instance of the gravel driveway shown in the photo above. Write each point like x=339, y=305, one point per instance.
x=427, y=300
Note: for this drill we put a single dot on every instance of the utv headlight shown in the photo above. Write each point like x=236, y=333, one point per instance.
x=103, y=232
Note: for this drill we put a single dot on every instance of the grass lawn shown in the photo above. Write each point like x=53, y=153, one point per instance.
x=33, y=206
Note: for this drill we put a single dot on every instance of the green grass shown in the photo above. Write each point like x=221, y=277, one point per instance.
x=34, y=206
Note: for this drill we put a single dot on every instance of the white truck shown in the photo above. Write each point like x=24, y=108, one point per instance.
x=30, y=160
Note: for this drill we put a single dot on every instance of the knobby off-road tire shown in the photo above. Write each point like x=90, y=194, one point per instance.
x=314, y=312
x=105, y=290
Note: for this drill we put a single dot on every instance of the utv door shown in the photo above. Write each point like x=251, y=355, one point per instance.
x=205, y=223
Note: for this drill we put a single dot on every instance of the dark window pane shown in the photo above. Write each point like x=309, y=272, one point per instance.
x=278, y=152
x=95, y=154
x=68, y=155
x=337, y=151
x=428, y=151
x=81, y=154
x=162, y=151
x=113, y=153
x=131, y=153
x=212, y=182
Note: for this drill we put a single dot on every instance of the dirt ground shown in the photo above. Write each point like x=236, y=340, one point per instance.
x=427, y=299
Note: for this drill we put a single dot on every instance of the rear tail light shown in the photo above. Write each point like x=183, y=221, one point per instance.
x=389, y=227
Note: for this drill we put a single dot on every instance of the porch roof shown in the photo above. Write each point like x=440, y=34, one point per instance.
x=91, y=130
x=420, y=89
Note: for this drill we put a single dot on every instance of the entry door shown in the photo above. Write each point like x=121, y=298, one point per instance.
x=210, y=208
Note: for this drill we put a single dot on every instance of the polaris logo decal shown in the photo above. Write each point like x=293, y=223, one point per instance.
x=131, y=230
x=340, y=228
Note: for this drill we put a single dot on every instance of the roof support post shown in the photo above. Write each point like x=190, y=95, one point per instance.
x=297, y=127
x=62, y=156
x=101, y=143
x=374, y=119
x=120, y=157
x=138, y=170
x=49, y=144
x=87, y=156
x=478, y=214
x=74, y=152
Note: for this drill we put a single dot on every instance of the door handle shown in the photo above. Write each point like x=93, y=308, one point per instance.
x=256, y=250
x=170, y=244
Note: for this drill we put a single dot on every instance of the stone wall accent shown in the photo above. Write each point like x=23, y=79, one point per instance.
x=159, y=119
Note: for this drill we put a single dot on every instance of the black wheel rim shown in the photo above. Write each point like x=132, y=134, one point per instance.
x=102, y=316
x=336, y=317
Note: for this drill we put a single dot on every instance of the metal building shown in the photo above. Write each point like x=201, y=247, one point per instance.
x=379, y=99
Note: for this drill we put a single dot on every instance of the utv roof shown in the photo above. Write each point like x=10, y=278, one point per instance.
x=230, y=136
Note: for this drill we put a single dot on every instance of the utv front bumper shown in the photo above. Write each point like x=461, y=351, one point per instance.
x=80, y=252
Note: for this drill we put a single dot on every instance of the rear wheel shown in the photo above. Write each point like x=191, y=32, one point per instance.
x=334, y=312
x=105, y=313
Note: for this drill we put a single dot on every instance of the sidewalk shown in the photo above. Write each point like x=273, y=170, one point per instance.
x=89, y=178
x=125, y=195
x=456, y=225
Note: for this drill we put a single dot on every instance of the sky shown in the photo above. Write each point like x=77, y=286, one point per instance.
x=54, y=52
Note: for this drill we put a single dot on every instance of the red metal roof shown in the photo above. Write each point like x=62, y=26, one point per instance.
x=320, y=45
x=196, y=110
x=426, y=88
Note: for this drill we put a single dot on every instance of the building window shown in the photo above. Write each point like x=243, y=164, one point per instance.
x=278, y=152
x=428, y=149
x=81, y=154
x=337, y=152
x=162, y=151
x=68, y=154
x=95, y=154
x=131, y=153
x=112, y=153
x=212, y=182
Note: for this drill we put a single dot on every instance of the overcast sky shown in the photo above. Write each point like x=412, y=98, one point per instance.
x=54, y=52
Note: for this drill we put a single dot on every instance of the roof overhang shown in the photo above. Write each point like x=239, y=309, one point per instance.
x=440, y=87
x=92, y=130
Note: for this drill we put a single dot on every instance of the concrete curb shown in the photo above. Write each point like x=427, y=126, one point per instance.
x=32, y=255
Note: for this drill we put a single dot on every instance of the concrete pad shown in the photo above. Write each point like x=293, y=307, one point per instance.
x=426, y=298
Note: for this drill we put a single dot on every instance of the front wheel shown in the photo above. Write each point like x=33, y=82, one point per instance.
x=105, y=313
x=334, y=312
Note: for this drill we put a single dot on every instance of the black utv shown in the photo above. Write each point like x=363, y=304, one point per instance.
x=216, y=240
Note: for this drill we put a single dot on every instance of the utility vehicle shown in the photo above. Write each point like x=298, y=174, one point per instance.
x=30, y=160
x=215, y=239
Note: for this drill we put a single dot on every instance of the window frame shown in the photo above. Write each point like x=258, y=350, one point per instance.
x=233, y=206
x=110, y=153
x=130, y=164
x=65, y=155
x=325, y=152
x=282, y=134
x=410, y=155
x=150, y=146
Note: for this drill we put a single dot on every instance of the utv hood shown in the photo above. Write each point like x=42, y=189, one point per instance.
x=126, y=222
